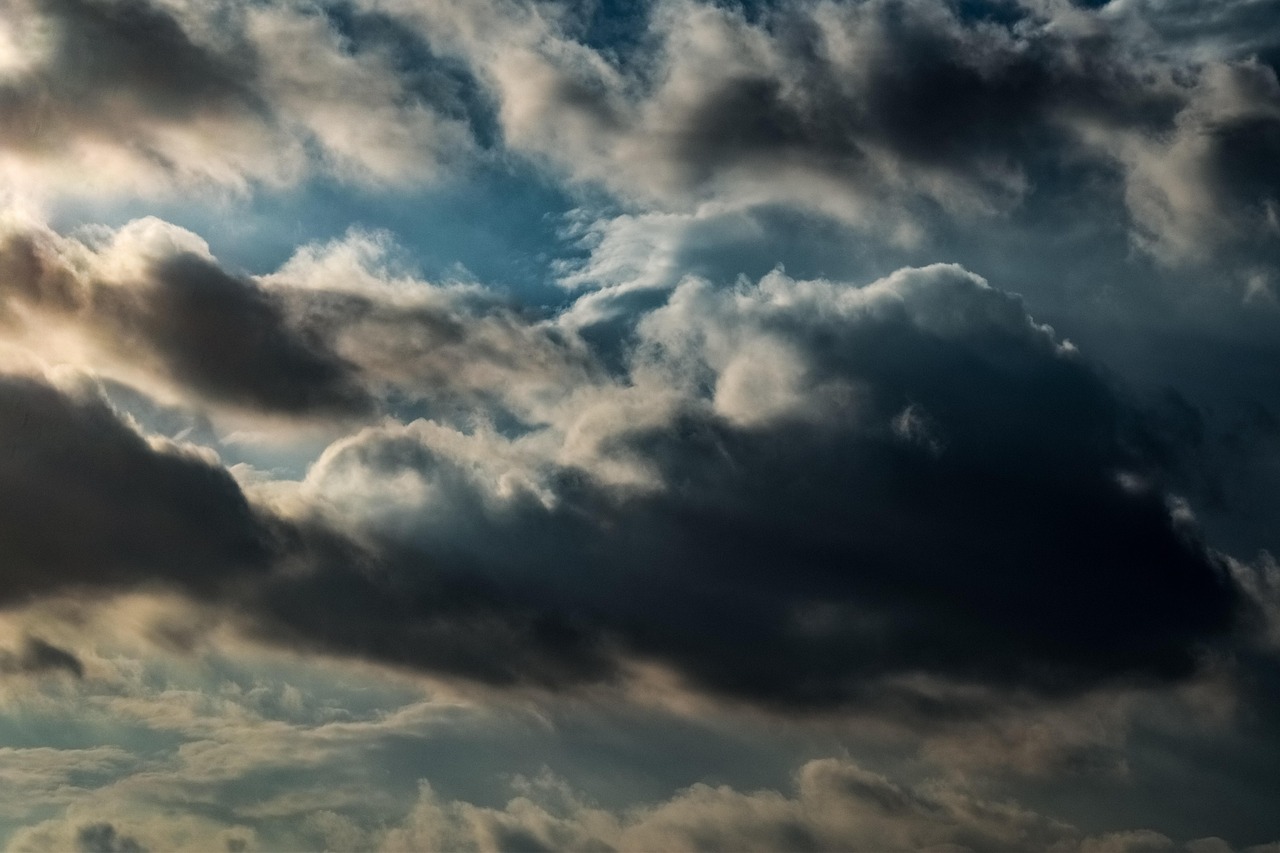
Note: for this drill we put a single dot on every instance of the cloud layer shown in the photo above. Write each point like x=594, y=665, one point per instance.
x=906, y=477
x=858, y=429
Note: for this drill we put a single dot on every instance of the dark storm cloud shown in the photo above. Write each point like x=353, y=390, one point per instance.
x=986, y=508
x=981, y=514
x=1006, y=551
x=227, y=338
x=845, y=485
x=1022, y=570
x=85, y=501
x=218, y=335
x=409, y=609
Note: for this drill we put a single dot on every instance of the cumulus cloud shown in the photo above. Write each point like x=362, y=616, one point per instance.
x=887, y=115
x=326, y=336
x=88, y=501
x=813, y=470
x=112, y=96
x=760, y=479
x=883, y=115
x=826, y=468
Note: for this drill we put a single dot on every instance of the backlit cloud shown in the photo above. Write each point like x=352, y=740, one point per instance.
x=519, y=424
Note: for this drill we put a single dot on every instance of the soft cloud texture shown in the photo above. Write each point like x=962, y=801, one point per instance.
x=880, y=114
x=741, y=496
x=444, y=539
x=114, y=97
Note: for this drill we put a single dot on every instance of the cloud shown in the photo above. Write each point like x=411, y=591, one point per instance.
x=38, y=656
x=459, y=349
x=47, y=776
x=107, y=836
x=835, y=805
x=327, y=336
x=285, y=751
x=88, y=501
x=761, y=488
x=1202, y=30
x=151, y=297
x=911, y=476
x=1212, y=181
x=893, y=116
x=103, y=838
x=898, y=118
x=121, y=97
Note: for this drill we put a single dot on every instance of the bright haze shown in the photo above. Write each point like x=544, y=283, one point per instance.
x=640, y=426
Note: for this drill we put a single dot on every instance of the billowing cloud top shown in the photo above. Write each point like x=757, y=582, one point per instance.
x=883, y=391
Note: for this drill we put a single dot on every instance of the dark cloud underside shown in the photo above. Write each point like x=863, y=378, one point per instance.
x=544, y=424
x=87, y=502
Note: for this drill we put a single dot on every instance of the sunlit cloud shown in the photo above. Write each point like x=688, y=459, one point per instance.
x=516, y=424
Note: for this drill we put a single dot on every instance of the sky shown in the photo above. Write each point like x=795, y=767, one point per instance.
x=656, y=425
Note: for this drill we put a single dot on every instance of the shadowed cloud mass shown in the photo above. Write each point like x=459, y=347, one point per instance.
x=526, y=424
x=911, y=476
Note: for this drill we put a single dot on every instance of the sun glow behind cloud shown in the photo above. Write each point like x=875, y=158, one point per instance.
x=531, y=425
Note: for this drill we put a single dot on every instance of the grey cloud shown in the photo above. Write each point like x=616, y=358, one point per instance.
x=803, y=552
x=87, y=502
x=138, y=52
x=403, y=607
x=1210, y=183
x=38, y=656
x=227, y=338
x=886, y=115
x=909, y=477
x=123, y=75
x=128, y=95
x=1232, y=29
x=447, y=354
x=213, y=333
x=104, y=838
x=889, y=115
x=317, y=339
